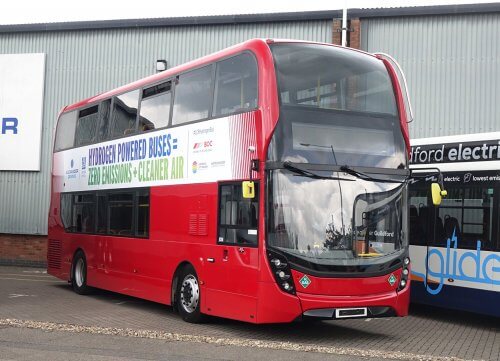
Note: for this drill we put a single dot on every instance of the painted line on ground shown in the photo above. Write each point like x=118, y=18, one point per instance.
x=27, y=275
x=28, y=280
x=221, y=341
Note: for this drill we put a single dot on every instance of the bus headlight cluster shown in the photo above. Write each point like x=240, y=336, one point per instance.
x=281, y=271
x=405, y=273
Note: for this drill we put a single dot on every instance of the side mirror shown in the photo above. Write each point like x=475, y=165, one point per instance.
x=248, y=189
x=437, y=193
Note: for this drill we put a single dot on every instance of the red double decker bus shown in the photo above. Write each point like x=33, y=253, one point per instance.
x=262, y=183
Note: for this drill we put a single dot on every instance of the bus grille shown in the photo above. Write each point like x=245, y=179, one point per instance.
x=54, y=253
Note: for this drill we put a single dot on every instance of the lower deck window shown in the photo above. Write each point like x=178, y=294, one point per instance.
x=237, y=216
x=469, y=212
x=115, y=213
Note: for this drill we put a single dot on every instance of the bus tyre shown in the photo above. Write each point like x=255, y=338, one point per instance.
x=79, y=274
x=189, y=295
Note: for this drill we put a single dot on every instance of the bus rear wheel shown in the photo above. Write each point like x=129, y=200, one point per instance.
x=79, y=274
x=189, y=296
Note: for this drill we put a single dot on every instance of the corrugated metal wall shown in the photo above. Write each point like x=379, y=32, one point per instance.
x=83, y=63
x=453, y=68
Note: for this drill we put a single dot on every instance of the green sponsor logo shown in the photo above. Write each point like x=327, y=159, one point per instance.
x=305, y=281
x=392, y=279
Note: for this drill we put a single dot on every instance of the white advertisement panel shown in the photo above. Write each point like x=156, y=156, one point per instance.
x=22, y=79
x=194, y=153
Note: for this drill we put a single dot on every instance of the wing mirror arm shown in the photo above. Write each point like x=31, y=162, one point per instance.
x=249, y=186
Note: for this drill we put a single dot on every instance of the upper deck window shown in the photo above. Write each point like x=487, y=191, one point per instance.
x=155, y=107
x=124, y=114
x=86, y=126
x=236, y=85
x=65, y=134
x=193, y=96
x=332, y=78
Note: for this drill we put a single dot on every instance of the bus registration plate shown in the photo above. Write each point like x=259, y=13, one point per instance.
x=351, y=312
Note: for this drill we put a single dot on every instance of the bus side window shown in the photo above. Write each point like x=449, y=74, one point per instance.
x=65, y=132
x=124, y=114
x=143, y=214
x=83, y=213
x=237, y=216
x=193, y=96
x=86, y=126
x=236, y=85
x=102, y=213
x=155, y=107
x=66, y=205
x=104, y=109
x=121, y=214
x=418, y=215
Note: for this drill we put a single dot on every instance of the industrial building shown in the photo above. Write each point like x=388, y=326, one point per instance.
x=450, y=54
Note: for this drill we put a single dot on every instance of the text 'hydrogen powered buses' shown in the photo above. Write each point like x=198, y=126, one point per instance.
x=262, y=183
x=455, y=249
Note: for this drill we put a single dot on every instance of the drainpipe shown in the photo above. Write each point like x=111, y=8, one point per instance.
x=344, y=24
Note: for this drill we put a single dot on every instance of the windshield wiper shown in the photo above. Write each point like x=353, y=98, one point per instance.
x=364, y=176
x=307, y=173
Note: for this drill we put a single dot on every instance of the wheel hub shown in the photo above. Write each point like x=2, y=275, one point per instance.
x=80, y=272
x=190, y=294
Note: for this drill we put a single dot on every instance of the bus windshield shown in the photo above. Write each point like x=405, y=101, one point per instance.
x=328, y=224
x=336, y=99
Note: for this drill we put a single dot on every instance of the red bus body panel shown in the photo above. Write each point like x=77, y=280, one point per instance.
x=239, y=283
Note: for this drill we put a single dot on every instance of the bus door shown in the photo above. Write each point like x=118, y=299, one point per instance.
x=426, y=233
x=232, y=268
x=118, y=246
x=433, y=235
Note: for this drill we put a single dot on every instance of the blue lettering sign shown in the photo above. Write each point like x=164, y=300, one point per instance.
x=455, y=269
x=9, y=124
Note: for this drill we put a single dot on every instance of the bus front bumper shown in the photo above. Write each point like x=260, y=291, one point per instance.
x=387, y=304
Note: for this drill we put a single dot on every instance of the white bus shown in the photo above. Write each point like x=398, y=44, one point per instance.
x=455, y=248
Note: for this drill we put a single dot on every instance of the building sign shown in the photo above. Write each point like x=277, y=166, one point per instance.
x=456, y=152
x=21, y=107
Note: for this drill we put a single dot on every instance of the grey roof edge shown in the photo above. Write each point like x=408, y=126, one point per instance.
x=254, y=18
x=459, y=9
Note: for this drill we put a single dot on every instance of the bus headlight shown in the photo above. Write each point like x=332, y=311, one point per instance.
x=281, y=271
x=405, y=273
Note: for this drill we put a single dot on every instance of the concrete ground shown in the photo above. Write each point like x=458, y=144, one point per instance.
x=42, y=318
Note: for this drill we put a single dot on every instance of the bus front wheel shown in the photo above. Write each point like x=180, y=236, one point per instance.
x=189, y=296
x=79, y=274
